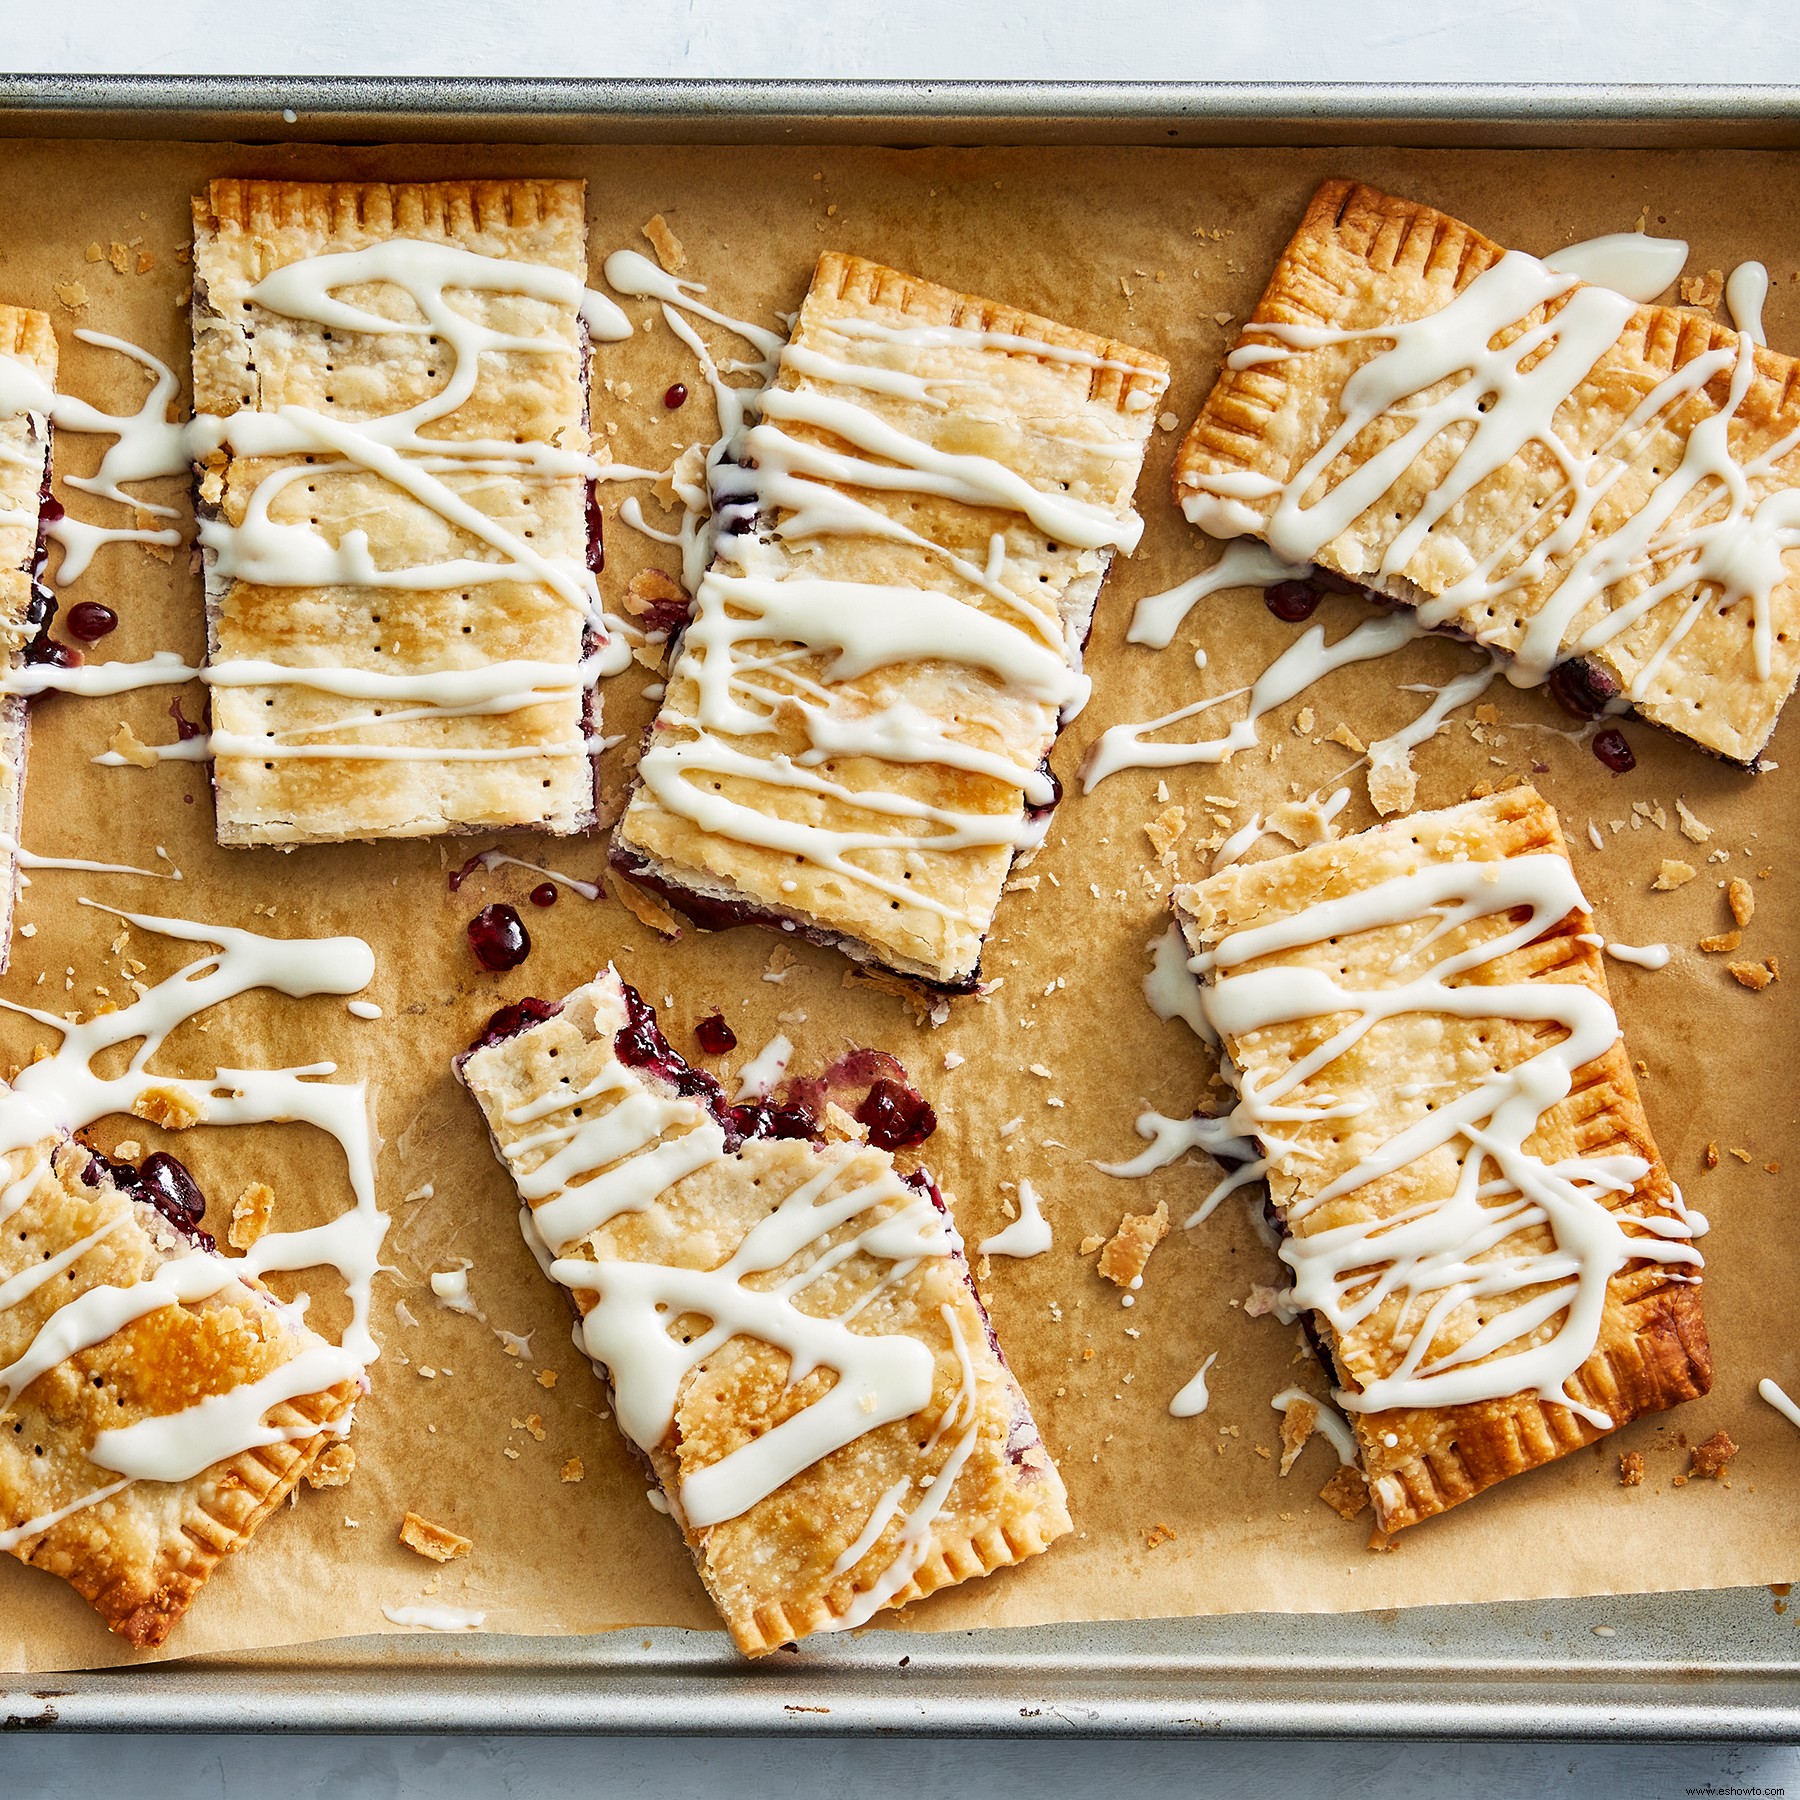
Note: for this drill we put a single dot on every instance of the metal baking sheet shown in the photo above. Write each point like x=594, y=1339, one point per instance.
x=1720, y=1665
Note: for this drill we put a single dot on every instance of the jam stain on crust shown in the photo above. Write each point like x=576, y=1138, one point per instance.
x=498, y=937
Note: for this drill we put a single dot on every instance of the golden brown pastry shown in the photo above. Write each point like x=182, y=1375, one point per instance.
x=1496, y=1265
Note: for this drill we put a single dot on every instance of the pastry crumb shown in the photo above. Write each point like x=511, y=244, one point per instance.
x=649, y=589
x=642, y=907
x=174, y=1109
x=1722, y=941
x=1755, y=976
x=1703, y=290
x=437, y=1543
x=1166, y=829
x=1696, y=831
x=73, y=294
x=666, y=244
x=572, y=1470
x=1392, y=783
x=1158, y=1535
x=1297, y=1422
x=1672, y=874
x=1128, y=1250
x=841, y=1128
x=1741, y=898
x=333, y=1469
x=546, y=1378
x=1346, y=1493
x=1342, y=734
x=1631, y=1469
x=127, y=744
x=250, y=1215
x=1710, y=1459
x=1709, y=1157
x=1092, y=1242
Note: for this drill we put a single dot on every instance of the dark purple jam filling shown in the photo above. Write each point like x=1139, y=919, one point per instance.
x=1611, y=748
x=710, y=913
x=498, y=937
x=185, y=727
x=159, y=1181
x=596, y=543
x=896, y=1114
x=1333, y=583
x=1582, y=689
x=1292, y=601
x=1034, y=813
x=458, y=876
x=90, y=621
x=41, y=647
x=675, y=397
x=544, y=894
x=509, y=1021
x=714, y=1036
x=665, y=617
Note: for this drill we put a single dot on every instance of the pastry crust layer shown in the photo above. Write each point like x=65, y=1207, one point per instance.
x=1651, y=1351
x=1362, y=259
x=1068, y=416
x=773, y=1570
x=248, y=357
x=141, y=1555
x=27, y=337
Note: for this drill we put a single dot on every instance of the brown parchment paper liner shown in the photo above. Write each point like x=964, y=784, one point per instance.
x=1164, y=248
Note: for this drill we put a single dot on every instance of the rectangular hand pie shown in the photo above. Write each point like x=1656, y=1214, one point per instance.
x=1496, y=1265
x=909, y=543
x=26, y=338
x=134, y=1363
x=1607, y=492
x=787, y=1324
x=396, y=523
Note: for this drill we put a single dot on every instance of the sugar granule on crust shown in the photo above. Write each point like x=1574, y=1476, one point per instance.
x=1122, y=1261
x=436, y=1542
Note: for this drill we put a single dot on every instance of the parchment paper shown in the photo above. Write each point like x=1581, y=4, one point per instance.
x=1164, y=248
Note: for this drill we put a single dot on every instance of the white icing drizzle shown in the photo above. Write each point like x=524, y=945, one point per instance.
x=498, y=859
x=1709, y=524
x=761, y=467
x=1028, y=1235
x=1329, y=1424
x=1772, y=1392
x=1629, y=262
x=1645, y=956
x=1193, y=1397
x=435, y=1618
x=1443, y=1257
x=29, y=859
x=64, y=1093
x=757, y=1078
x=880, y=1378
x=1171, y=1139
x=396, y=447
x=1170, y=987
x=1245, y=562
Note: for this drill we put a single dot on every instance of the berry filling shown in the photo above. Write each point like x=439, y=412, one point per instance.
x=1292, y=601
x=675, y=397
x=509, y=1021
x=1611, y=748
x=185, y=727
x=159, y=1181
x=41, y=647
x=544, y=894
x=714, y=1036
x=90, y=621
x=498, y=937
x=1582, y=689
x=895, y=1113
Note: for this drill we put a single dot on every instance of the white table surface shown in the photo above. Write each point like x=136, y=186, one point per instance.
x=1250, y=40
